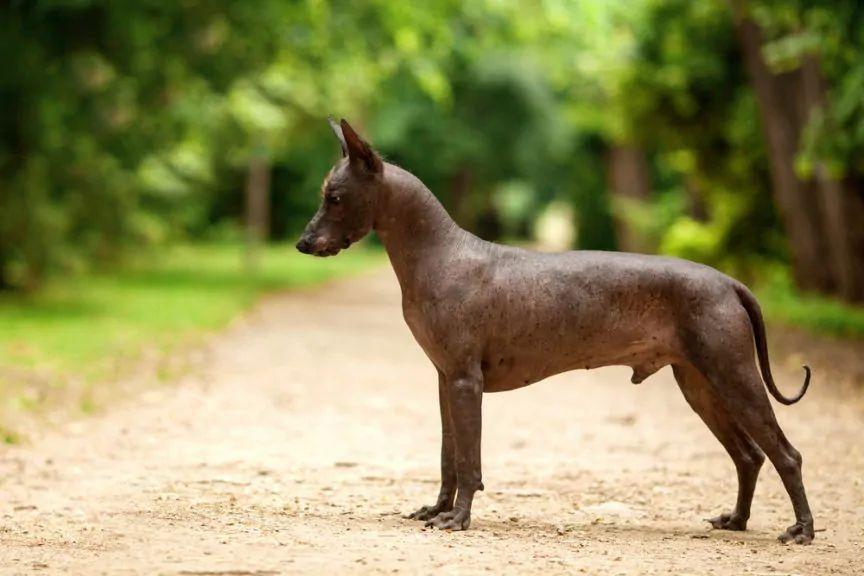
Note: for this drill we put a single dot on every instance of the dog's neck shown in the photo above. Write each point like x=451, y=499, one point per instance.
x=413, y=225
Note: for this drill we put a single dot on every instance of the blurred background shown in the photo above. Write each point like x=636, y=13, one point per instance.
x=158, y=158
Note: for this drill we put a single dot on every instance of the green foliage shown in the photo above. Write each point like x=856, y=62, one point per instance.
x=833, y=36
x=129, y=125
x=125, y=123
x=782, y=303
x=497, y=129
x=133, y=124
x=684, y=97
x=98, y=101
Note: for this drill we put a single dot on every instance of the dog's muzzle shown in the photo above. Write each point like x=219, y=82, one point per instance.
x=319, y=248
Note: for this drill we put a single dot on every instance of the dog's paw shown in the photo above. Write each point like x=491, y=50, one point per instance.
x=452, y=520
x=798, y=533
x=428, y=512
x=728, y=521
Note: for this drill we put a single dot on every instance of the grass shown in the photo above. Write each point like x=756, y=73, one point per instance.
x=85, y=324
x=782, y=303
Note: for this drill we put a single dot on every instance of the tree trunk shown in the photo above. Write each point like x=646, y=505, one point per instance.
x=257, y=207
x=853, y=226
x=782, y=123
x=628, y=178
x=698, y=207
x=842, y=201
x=844, y=219
x=460, y=205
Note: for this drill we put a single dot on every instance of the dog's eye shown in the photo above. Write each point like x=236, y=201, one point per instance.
x=333, y=199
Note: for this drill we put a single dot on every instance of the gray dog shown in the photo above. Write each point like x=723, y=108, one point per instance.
x=493, y=318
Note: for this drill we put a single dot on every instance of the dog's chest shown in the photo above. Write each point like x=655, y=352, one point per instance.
x=418, y=323
x=435, y=325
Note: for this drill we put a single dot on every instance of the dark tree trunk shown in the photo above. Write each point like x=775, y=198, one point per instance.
x=628, y=178
x=784, y=115
x=842, y=201
x=257, y=207
x=698, y=207
x=460, y=205
x=853, y=213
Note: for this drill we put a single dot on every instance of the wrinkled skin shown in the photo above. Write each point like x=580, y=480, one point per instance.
x=493, y=318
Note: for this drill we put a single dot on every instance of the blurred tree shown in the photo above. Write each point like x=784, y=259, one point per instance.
x=815, y=146
x=126, y=124
x=680, y=100
x=629, y=180
x=100, y=111
x=494, y=118
x=783, y=120
x=682, y=96
x=121, y=116
x=495, y=130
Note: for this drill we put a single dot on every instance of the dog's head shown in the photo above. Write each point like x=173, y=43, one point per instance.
x=348, y=197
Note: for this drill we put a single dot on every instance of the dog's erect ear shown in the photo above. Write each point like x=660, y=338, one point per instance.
x=359, y=150
x=337, y=130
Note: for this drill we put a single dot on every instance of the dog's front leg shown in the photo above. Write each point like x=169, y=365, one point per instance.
x=465, y=394
x=444, y=503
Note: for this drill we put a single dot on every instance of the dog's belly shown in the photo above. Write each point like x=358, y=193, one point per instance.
x=520, y=350
x=507, y=366
x=509, y=372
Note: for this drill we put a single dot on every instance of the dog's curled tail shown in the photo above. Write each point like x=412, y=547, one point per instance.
x=755, y=313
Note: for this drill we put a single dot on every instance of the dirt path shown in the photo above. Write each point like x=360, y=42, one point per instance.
x=314, y=425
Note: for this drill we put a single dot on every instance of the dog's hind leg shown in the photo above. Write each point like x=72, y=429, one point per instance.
x=746, y=455
x=722, y=350
x=744, y=394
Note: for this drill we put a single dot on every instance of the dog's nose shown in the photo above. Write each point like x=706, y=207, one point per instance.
x=304, y=246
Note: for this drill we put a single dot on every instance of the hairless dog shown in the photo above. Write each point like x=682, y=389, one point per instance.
x=493, y=318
